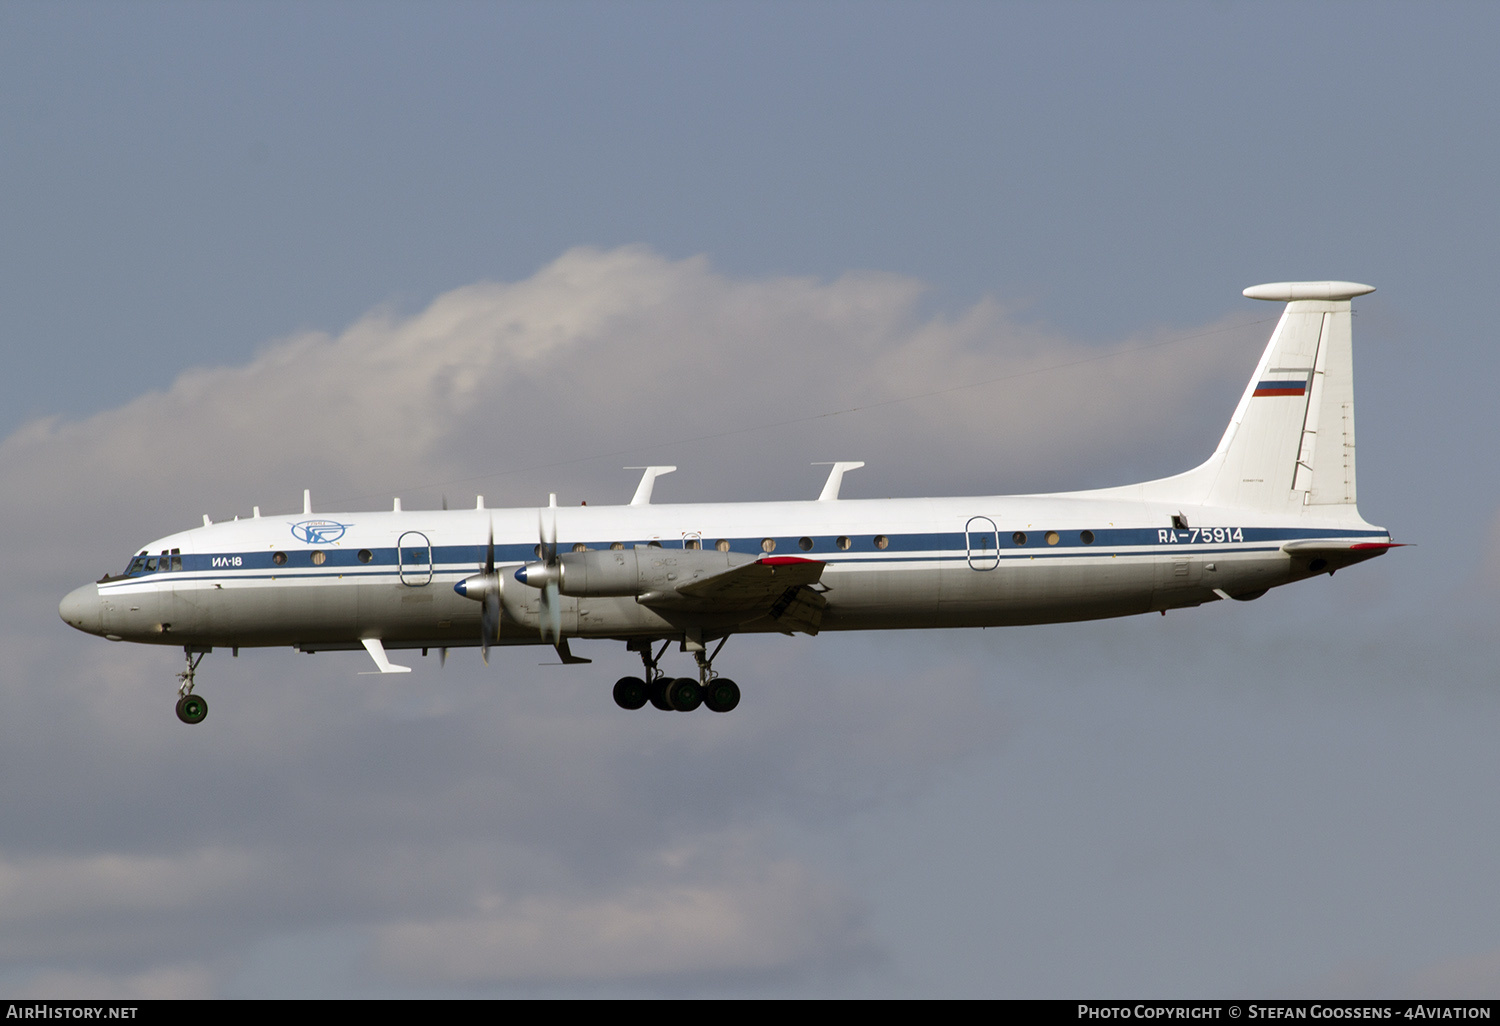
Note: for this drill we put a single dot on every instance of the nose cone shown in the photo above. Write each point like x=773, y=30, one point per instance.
x=82, y=608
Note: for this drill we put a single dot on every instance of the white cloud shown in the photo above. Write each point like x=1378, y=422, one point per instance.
x=459, y=818
x=625, y=356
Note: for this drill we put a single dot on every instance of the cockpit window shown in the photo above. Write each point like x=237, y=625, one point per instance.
x=142, y=563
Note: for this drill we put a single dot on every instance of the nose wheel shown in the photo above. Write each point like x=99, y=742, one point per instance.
x=191, y=708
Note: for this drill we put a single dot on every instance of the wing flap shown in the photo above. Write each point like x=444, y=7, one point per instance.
x=799, y=609
x=755, y=585
x=779, y=587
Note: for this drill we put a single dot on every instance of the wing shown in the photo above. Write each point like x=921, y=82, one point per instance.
x=781, y=587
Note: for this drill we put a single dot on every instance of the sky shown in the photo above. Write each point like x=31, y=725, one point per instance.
x=436, y=250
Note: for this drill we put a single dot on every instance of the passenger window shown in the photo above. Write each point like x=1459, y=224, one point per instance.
x=722, y=544
x=279, y=558
x=365, y=555
x=881, y=541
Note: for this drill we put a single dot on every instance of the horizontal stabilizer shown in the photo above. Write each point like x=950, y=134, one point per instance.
x=1318, y=545
x=1332, y=554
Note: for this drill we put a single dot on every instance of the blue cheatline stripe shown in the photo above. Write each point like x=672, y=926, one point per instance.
x=466, y=559
x=456, y=561
x=390, y=573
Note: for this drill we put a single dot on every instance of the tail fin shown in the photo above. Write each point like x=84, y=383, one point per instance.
x=1290, y=445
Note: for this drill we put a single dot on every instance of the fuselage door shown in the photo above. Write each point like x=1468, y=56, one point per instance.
x=983, y=542
x=414, y=559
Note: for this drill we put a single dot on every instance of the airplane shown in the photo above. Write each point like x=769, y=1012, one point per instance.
x=1274, y=504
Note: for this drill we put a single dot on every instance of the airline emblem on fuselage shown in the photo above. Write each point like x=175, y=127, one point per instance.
x=319, y=532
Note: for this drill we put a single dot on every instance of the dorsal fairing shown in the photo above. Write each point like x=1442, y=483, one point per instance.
x=1316, y=291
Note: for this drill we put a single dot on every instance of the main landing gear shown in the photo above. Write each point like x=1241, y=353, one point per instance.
x=681, y=694
x=191, y=708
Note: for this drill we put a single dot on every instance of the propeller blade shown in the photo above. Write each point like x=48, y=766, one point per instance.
x=551, y=613
x=489, y=624
x=489, y=619
x=548, y=537
x=442, y=657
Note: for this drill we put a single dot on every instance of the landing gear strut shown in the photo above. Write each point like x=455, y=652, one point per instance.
x=683, y=694
x=720, y=694
x=191, y=708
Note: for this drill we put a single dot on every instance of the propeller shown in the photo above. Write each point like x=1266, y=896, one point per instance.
x=484, y=588
x=544, y=575
x=550, y=617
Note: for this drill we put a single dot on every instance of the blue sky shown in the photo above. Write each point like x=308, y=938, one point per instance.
x=255, y=248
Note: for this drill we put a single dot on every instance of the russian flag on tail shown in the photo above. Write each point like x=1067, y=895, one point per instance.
x=1282, y=385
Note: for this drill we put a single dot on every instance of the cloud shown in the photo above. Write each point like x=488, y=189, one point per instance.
x=1467, y=977
x=606, y=358
x=511, y=825
x=171, y=982
x=724, y=912
x=33, y=889
x=1474, y=976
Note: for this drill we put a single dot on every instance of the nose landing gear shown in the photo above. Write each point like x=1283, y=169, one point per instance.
x=191, y=708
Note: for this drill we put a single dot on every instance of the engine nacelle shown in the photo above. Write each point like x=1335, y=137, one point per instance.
x=609, y=572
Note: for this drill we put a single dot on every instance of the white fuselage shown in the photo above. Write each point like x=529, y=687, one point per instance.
x=328, y=581
x=1275, y=503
